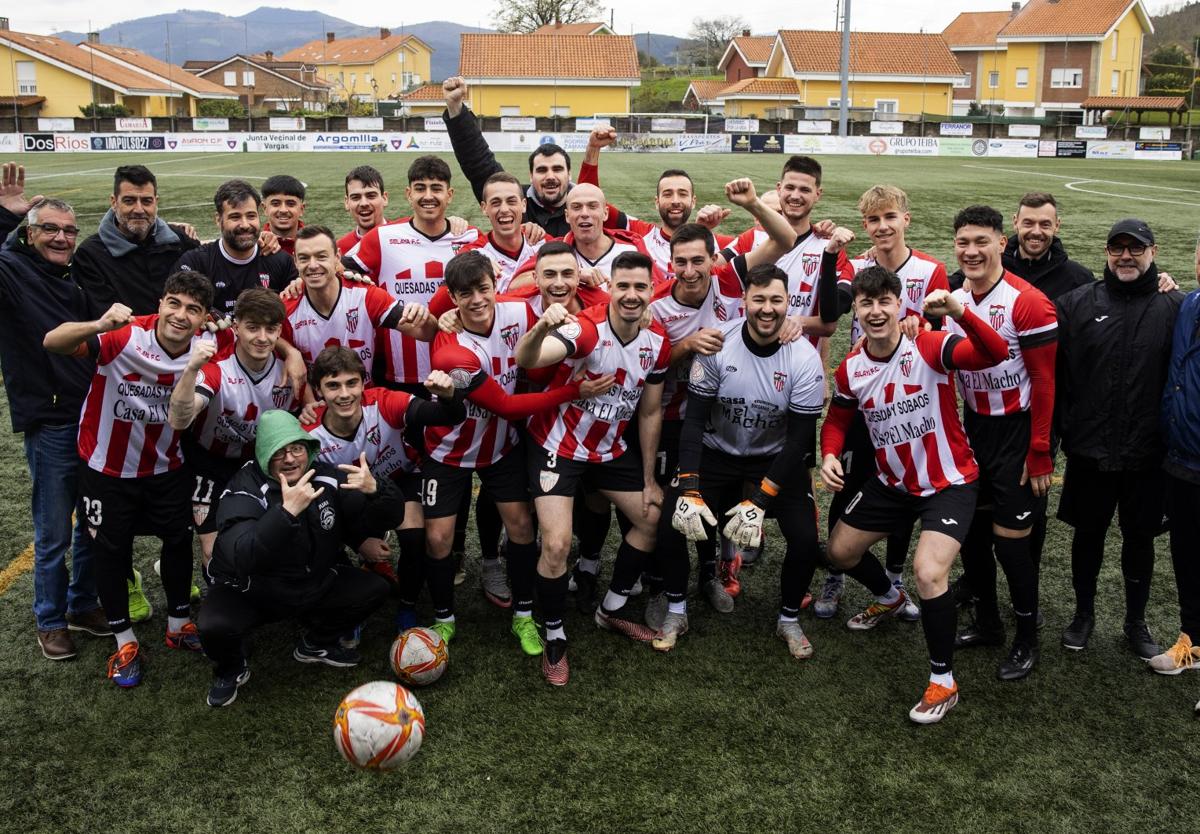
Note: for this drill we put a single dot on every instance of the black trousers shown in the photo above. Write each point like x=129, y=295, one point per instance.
x=1183, y=508
x=228, y=615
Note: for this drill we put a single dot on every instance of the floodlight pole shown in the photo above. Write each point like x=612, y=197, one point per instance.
x=844, y=104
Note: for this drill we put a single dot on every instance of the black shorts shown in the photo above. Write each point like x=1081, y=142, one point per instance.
x=858, y=455
x=725, y=480
x=1001, y=444
x=117, y=509
x=550, y=474
x=1091, y=496
x=879, y=508
x=443, y=488
x=409, y=484
x=209, y=476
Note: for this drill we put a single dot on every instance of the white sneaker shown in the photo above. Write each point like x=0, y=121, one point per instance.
x=825, y=605
x=909, y=612
x=791, y=633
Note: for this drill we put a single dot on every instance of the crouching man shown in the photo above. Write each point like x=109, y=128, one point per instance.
x=282, y=524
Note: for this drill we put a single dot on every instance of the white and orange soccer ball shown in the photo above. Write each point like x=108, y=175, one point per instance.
x=419, y=656
x=379, y=726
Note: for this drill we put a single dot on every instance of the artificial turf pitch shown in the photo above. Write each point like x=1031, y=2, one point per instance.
x=727, y=733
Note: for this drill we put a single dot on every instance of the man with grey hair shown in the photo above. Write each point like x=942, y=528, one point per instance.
x=45, y=393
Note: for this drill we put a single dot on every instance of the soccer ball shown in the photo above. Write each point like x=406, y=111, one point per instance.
x=379, y=726
x=419, y=656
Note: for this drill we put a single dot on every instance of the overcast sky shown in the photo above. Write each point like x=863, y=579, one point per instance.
x=630, y=15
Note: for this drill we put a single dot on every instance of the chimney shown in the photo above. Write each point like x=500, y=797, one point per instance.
x=1016, y=7
x=93, y=37
x=329, y=36
x=384, y=33
x=269, y=56
x=745, y=33
x=3, y=24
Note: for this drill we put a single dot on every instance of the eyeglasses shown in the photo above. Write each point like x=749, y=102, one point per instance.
x=294, y=450
x=52, y=230
x=1135, y=250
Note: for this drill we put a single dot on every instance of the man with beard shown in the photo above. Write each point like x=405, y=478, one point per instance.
x=549, y=165
x=752, y=410
x=233, y=261
x=133, y=251
x=1115, y=347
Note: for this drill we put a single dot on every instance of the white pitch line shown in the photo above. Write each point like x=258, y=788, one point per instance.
x=1075, y=178
x=109, y=170
x=1073, y=186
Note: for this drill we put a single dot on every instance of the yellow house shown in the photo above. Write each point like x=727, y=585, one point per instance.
x=69, y=77
x=1049, y=55
x=549, y=75
x=365, y=69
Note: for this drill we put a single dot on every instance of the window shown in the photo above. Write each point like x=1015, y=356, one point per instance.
x=835, y=102
x=886, y=105
x=564, y=112
x=230, y=78
x=367, y=77
x=407, y=79
x=247, y=78
x=353, y=79
x=1022, y=76
x=1114, y=46
x=26, y=78
x=393, y=79
x=510, y=110
x=993, y=80
x=964, y=82
x=1116, y=79
x=1066, y=77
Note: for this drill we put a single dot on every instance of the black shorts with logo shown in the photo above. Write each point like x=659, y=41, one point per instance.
x=879, y=508
x=444, y=487
x=1001, y=444
x=209, y=476
x=117, y=509
x=550, y=474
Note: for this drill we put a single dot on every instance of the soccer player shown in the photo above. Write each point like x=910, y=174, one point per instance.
x=233, y=261
x=596, y=248
x=1116, y=337
x=904, y=387
x=481, y=362
x=503, y=204
x=223, y=400
x=365, y=200
x=1007, y=414
x=354, y=422
x=751, y=419
x=283, y=203
x=582, y=443
x=332, y=311
x=133, y=478
x=282, y=528
x=885, y=218
x=408, y=259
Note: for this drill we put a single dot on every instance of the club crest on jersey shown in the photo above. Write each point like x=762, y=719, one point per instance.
x=645, y=357
x=996, y=316
x=547, y=480
x=199, y=513
x=719, y=310
x=281, y=395
x=373, y=436
x=697, y=373
x=913, y=287
x=509, y=334
x=352, y=320
x=810, y=263
x=780, y=379
x=906, y=362
x=264, y=278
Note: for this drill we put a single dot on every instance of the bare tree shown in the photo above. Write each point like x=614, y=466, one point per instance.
x=709, y=37
x=527, y=15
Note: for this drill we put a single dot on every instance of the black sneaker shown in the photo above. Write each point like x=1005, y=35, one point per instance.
x=980, y=634
x=964, y=597
x=585, y=591
x=1141, y=641
x=1019, y=663
x=331, y=655
x=1075, y=636
x=223, y=691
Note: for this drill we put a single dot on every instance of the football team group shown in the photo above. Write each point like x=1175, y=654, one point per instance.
x=316, y=408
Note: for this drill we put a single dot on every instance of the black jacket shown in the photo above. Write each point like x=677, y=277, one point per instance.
x=111, y=268
x=478, y=163
x=35, y=297
x=1114, y=345
x=1054, y=274
x=263, y=549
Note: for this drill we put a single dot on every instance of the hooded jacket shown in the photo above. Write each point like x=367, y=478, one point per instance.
x=1181, y=399
x=263, y=549
x=36, y=296
x=110, y=267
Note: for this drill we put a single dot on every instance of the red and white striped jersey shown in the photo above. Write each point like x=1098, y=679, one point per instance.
x=410, y=266
x=620, y=241
x=911, y=411
x=803, y=267
x=1025, y=318
x=592, y=430
x=919, y=275
x=359, y=311
x=723, y=304
x=483, y=438
x=123, y=428
x=508, y=261
x=380, y=435
x=234, y=399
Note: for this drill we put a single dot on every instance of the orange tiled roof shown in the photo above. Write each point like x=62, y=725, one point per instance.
x=350, y=50
x=871, y=53
x=707, y=89
x=1172, y=103
x=756, y=49
x=86, y=63
x=178, y=75
x=426, y=92
x=584, y=28
x=750, y=87
x=548, y=56
x=975, y=28
x=1053, y=18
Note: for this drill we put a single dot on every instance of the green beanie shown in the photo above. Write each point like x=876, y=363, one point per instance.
x=277, y=429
